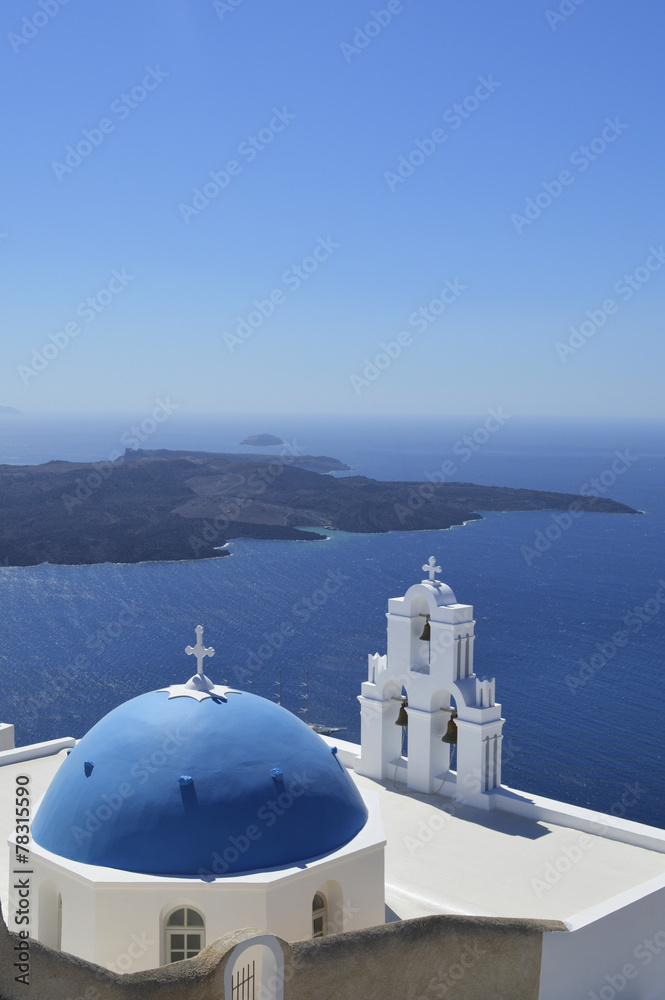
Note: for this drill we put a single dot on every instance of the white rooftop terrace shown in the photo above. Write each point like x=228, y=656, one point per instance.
x=555, y=861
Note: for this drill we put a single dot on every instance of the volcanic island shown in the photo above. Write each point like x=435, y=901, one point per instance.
x=178, y=505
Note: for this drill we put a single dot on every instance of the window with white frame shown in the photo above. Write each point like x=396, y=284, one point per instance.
x=319, y=915
x=185, y=934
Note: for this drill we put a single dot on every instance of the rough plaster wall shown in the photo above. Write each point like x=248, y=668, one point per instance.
x=465, y=958
x=451, y=957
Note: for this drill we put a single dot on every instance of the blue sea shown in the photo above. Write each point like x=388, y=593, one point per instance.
x=569, y=615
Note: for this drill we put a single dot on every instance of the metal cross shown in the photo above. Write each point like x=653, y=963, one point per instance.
x=199, y=650
x=431, y=568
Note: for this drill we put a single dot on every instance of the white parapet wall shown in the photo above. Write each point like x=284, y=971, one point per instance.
x=537, y=807
x=6, y=736
x=35, y=750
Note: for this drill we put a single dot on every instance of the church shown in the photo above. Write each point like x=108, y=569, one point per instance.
x=189, y=814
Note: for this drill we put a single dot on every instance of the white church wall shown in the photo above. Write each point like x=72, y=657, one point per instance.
x=49, y=911
x=77, y=935
x=78, y=918
x=621, y=953
x=128, y=932
x=354, y=889
x=235, y=906
x=131, y=918
x=120, y=925
x=364, y=891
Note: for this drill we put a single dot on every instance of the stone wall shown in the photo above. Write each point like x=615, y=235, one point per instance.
x=429, y=958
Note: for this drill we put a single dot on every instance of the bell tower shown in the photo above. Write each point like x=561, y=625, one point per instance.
x=425, y=680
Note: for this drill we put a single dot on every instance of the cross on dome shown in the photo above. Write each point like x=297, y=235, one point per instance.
x=431, y=568
x=199, y=650
x=199, y=686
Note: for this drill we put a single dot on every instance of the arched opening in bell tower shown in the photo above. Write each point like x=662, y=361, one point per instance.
x=396, y=732
x=419, y=646
x=444, y=739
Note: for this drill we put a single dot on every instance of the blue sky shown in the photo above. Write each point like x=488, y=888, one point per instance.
x=311, y=218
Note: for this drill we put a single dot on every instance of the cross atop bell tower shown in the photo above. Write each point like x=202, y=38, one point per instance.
x=431, y=568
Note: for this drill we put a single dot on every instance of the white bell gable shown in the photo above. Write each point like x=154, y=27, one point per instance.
x=435, y=677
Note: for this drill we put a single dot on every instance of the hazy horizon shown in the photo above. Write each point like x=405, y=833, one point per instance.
x=255, y=416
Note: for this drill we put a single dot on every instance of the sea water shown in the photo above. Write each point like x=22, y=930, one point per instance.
x=584, y=715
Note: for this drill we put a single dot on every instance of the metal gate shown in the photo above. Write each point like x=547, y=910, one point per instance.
x=243, y=983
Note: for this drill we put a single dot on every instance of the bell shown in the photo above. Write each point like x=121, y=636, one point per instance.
x=403, y=716
x=451, y=732
x=426, y=630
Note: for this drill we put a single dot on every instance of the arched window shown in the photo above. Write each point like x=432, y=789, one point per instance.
x=319, y=915
x=185, y=934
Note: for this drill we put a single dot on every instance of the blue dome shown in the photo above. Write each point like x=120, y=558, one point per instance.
x=187, y=788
